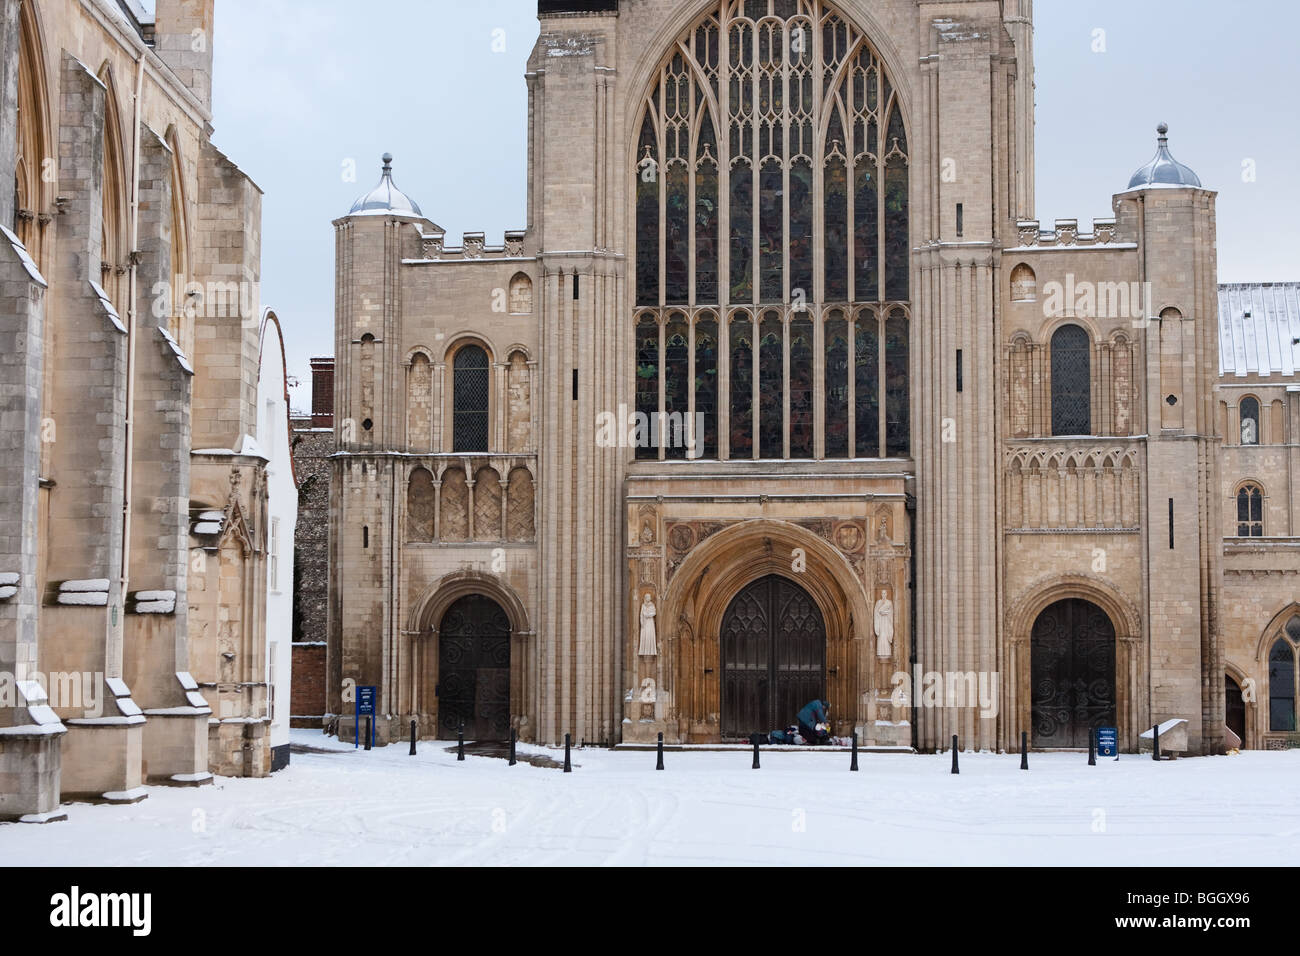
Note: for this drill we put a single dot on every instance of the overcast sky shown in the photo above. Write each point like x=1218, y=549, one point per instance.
x=304, y=90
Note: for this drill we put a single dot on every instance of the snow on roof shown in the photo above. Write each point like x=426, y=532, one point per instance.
x=176, y=350
x=1259, y=328
x=28, y=263
x=107, y=306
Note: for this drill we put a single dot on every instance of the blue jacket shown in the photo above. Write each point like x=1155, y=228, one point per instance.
x=813, y=713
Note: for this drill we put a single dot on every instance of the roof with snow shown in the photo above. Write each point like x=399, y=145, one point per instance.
x=1259, y=328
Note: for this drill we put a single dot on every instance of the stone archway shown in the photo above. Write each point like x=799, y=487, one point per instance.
x=474, y=670
x=432, y=611
x=1072, y=673
x=709, y=579
x=1128, y=659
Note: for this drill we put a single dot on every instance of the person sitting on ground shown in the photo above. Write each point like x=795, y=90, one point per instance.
x=814, y=721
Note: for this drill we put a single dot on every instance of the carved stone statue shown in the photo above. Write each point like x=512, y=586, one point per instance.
x=647, y=647
x=882, y=533
x=1249, y=431
x=884, y=625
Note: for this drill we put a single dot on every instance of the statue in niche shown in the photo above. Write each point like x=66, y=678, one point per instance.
x=882, y=534
x=884, y=621
x=647, y=647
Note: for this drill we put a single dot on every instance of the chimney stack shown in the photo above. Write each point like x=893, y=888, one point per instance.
x=322, y=392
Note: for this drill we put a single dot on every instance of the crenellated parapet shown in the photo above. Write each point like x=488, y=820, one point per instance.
x=473, y=246
x=1065, y=233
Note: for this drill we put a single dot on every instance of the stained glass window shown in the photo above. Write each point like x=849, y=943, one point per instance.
x=837, y=386
x=706, y=386
x=742, y=384
x=801, y=388
x=647, y=216
x=740, y=157
x=771, y=381
x=647, y=380
x=898, y=429
x=677, y=395
x=866, y=386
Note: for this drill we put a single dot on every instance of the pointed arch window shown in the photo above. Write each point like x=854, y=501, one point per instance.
x=1071, y=381
x=470, y=399
x=1284, y=679
x=772, y=173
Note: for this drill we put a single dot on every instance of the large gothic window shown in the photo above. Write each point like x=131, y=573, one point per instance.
x=1071, y=382
x=470, y=400
x=772, y=236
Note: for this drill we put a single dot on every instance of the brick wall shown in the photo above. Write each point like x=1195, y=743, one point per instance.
x=307, y=700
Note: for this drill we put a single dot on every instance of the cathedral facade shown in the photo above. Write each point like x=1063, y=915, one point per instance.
x=783, y=393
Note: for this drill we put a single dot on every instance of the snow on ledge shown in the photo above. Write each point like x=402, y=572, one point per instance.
x=90, y=584
x=176, y=351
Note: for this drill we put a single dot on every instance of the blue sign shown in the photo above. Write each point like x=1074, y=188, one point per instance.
x=1107, y=742
x=365, y=707
x=365, y=701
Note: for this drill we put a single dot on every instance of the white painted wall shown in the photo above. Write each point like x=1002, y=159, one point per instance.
x=282, y=517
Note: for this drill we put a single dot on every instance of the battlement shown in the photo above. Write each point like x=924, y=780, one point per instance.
x=1066, y=233
x=473, y=246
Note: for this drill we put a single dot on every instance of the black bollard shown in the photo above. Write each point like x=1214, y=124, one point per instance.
x=754, y=738
x=568, y=766
x=460, y=741
x=1155, y=742
x=1092, y=747
x=412, y=739
x=954, y=754
x=659, y=763
x=1024, y=750
x=368, y=732
x=853, y=761
x=514, y=735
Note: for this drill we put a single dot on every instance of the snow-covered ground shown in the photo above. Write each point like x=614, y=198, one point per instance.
x=385, y=807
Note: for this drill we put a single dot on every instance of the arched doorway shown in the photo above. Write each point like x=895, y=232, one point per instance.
x=773, y=644
x=474, y=669
x=1072, y=667
x=1234, y=708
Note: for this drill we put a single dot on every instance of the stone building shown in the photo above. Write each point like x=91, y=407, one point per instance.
x=784, y=393
x=133, y=645
x=1258, y=394
x=313, y=443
